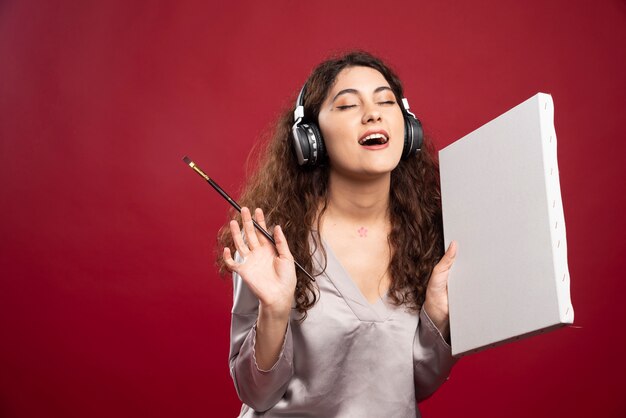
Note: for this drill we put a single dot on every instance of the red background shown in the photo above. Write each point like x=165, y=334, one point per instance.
x=110, y=304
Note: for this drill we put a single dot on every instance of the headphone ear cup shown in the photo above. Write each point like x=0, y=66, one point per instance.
x=413, y=136
x=321, y=147
x=308, y=144
x=301, y=144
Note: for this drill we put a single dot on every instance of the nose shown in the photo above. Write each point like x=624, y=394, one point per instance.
x=371, y=113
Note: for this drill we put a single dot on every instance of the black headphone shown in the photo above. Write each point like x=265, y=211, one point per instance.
x=309, y=144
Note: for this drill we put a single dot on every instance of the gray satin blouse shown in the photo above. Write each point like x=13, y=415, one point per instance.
x=349, y=358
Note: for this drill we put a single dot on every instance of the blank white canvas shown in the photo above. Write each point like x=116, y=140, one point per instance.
x=502, y=203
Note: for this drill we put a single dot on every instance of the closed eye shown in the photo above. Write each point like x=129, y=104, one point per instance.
x=344, y=107
x=388, y=102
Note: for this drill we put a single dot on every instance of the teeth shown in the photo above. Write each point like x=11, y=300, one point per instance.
x=382, y=137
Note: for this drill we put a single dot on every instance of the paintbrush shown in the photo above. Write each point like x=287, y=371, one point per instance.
x=234, y=204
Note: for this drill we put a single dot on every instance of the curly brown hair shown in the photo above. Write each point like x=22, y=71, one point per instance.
x=291, y=196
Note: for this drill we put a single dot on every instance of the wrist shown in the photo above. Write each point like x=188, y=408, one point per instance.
x=271, y=327
x=274, y=313
x=437, y=315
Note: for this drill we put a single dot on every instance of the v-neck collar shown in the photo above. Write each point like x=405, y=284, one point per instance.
x=378, y=311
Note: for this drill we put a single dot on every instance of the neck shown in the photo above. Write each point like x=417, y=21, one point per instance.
x=358, y=201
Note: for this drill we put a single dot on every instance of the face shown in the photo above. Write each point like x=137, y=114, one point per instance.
x=362, y=124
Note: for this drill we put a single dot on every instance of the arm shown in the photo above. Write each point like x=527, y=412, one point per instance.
x=261, y=354
x=432, y=353
x=432, y=358
x=258, y=387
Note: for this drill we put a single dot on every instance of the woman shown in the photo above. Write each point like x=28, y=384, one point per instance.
x=367, y=338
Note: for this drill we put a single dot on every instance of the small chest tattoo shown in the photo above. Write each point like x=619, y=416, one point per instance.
x=362, y=232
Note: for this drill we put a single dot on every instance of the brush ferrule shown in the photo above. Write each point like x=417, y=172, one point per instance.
x=197, y=170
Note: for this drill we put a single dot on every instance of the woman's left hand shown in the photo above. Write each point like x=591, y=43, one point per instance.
x=436, y=303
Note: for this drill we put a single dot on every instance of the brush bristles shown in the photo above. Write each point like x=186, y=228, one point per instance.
x=187, y=160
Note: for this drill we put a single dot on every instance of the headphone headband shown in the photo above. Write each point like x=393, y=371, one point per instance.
x=298, y=113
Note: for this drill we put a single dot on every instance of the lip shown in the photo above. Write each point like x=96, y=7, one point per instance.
x=378, y=146
x=374, y=131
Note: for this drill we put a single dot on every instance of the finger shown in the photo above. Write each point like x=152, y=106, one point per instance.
x=451, y=253
x=228, y=260
x=281, y=243
x=259, y=217
x=447, y=260
x=248, y=229
x=235, y=232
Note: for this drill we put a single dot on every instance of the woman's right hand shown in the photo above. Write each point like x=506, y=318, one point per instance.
x=269, y=272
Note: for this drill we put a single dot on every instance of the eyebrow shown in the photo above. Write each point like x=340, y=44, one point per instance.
x=354, y=91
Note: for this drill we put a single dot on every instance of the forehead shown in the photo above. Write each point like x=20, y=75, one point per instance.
x=362, y=79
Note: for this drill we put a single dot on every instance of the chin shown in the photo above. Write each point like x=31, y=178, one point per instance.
x=368, y=167
x=380, y=169
x=383, y=165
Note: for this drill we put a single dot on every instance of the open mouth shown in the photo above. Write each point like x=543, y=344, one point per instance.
x=374, y=139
